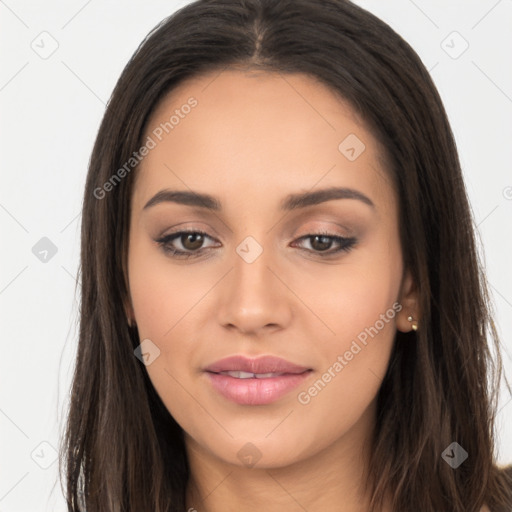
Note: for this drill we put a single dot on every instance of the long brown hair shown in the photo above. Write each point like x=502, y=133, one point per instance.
x=122, y=450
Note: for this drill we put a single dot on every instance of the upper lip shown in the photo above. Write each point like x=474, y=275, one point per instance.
x=263, y=364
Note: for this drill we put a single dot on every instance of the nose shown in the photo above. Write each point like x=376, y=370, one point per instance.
x=254, y=298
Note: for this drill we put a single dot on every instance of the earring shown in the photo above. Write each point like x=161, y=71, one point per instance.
x=414, y=325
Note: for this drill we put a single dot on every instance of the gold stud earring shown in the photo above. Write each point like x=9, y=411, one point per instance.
x=414, y=325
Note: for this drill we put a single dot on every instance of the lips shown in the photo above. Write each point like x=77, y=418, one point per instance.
x=259, y=381
x=262, y=367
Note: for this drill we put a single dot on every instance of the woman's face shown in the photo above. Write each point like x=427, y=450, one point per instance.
x=258, y=282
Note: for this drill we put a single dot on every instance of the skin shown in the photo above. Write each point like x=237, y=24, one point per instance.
x=253, y=139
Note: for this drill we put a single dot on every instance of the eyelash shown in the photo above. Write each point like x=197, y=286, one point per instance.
x=346, y=244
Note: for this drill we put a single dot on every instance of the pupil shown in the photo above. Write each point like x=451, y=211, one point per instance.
x=196, y=239
x=323, y=245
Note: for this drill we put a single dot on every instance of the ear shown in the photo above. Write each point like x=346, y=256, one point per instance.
x=408, y=298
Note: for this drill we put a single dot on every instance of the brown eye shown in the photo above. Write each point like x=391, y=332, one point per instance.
x=192, y=241
x=322, y=243
x=184, y=244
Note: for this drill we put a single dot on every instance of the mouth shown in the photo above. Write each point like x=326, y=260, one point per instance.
x=259, y=381
x=249, y=375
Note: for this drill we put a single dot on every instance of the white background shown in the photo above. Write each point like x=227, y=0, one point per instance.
x=50, y=112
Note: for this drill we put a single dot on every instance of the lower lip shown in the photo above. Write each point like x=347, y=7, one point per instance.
x=256, y=391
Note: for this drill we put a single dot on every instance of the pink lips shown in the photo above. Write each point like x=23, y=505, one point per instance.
x=260, y=390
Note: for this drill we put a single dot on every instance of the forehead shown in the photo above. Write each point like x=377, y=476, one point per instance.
x=258, y=131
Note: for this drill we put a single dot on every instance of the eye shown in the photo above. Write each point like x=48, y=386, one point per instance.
x=320, y=243
x=191, y=243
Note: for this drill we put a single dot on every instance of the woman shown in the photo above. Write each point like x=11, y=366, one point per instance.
x=282, y=304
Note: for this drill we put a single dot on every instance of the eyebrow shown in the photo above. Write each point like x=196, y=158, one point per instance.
x=290, y=202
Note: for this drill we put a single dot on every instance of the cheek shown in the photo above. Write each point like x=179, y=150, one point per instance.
x=162, y=293
x=163, y=300
x=167, y=302
x=359, y=305
x=361, y=315
x=350, y=297
x=355, y=360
